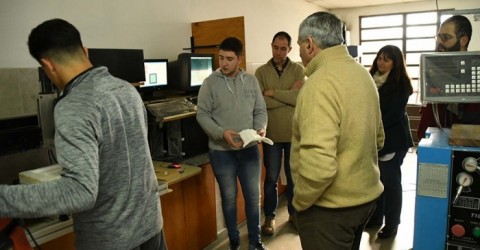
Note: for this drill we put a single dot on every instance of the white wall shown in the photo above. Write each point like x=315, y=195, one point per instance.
x=351, y=16
x=161, y=28
x=263, y=19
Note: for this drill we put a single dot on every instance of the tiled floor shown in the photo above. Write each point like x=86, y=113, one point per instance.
x=286, y=237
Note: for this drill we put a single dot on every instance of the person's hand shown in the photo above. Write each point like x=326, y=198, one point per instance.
x=297, y=85
x=232, y=138
x=262, y=132
x=268, y=92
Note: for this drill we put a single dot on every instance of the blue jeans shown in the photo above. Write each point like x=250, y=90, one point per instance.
x=272, y=158
x=245, y=165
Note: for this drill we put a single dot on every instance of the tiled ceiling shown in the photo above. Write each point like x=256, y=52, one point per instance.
x=340, y=4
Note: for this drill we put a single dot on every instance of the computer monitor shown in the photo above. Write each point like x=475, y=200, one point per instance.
x=126, y=64
x=189, y=71
x=156, y=79
x=155, y=73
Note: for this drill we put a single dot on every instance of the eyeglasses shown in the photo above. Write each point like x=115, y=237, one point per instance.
x=444, y=37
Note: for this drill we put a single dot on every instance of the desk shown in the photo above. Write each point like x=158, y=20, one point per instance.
x=174, y=175
x=47, y=229
x=189, y=212
x=53, y=234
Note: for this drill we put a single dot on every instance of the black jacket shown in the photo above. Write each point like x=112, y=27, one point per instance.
x=393, y=103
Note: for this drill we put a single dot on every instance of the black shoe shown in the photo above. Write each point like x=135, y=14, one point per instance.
x=387, y=232
x=259, y=246
x=234, y=245
x=268, y=227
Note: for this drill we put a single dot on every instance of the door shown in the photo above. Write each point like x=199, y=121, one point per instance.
x=207, y=36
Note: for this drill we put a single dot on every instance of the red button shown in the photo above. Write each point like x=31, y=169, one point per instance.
x=458, y=230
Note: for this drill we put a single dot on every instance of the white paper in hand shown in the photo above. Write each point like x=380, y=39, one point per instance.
x=250, y=135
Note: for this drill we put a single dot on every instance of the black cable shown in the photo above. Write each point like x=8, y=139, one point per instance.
x=436, y=3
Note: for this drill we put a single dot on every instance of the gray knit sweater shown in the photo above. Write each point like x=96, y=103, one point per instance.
x=108, y=182
x=227, y=103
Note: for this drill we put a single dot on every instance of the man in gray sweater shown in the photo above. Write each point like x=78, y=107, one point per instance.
x=108, y=181
x=230, y=101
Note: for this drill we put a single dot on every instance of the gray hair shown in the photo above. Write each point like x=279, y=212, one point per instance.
x=324, y=28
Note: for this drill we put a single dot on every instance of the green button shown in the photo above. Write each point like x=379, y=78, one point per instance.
x=476, y=232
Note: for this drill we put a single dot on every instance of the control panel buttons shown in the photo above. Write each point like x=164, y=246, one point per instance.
x=458, y=230
x=476, y=232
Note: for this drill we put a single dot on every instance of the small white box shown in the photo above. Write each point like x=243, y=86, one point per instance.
x=38, y=175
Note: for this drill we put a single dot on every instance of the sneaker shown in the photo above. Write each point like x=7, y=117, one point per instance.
x=268, y=227
x=259, y=246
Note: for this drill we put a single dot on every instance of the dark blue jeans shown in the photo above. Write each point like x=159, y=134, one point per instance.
x=272, y=158
x=245, y=165
x=389, y=204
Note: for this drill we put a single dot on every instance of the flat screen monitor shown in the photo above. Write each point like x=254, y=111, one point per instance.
x=156, y=79
x=155, y=73
x=447, y=77
x=126, y=64
x=189, y=71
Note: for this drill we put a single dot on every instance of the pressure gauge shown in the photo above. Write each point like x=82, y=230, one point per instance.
x=470, y=164
x=464, y=179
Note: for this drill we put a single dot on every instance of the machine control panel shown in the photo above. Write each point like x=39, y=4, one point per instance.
x=464, y=203
x=450, y=77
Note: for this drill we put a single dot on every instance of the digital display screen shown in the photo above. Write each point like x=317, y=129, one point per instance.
x=201, y=68
x=448, y=77
x=155, y=73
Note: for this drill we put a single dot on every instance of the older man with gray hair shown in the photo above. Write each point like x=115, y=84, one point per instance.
x=337, y=131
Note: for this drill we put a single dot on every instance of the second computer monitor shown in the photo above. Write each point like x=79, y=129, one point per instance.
x=156, y=73
x=156, y=79
x=189, y=71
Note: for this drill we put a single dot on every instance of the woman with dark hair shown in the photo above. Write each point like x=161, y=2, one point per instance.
x=394, y=88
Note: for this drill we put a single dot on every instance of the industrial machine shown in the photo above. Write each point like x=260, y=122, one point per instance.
x=447, y=202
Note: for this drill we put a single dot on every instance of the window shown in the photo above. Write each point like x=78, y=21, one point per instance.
x=414, y=33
